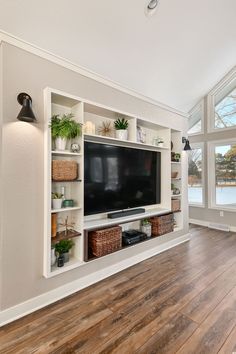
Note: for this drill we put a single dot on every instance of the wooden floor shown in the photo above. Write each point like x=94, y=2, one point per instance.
x=181, y=301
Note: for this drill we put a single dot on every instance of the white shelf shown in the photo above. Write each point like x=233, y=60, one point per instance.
x=100, y=138
x=66, y=152
x=175, y=195
x=61, y=210
x=176, y=179
x=73, y=263
x=97, y=223
x=176, y=163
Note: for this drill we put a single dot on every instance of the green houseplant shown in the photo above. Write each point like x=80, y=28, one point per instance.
x=57, y=199
x=121, y=126
x=63, y=247
x=146, y=227
x=64, y=128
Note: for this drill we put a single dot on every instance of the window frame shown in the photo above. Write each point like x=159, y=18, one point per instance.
x=200, y=106
x=222, y=85
x=212, y=174
x=201, y=146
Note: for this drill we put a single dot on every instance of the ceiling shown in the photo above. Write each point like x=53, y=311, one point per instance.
x=174, y=57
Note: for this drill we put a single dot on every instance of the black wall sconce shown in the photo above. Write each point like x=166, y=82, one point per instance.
x=26, y=113
x=187, y=146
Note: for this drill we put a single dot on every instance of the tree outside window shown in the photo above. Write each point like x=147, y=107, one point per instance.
x=225, y=175
x=195, y=180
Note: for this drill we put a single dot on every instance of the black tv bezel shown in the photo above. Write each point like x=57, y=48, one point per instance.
x=158, y=177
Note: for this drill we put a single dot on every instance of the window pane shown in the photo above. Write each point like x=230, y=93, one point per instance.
x=195, y=186
x=225, y=111
x=195, y=119
x=196, y=128
x=225, y=169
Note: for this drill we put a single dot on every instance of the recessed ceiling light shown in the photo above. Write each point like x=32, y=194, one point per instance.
x=151, y=7
x=152, y=4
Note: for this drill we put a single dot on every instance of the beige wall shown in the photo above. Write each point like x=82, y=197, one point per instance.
x=206, y=214
x=22, y=166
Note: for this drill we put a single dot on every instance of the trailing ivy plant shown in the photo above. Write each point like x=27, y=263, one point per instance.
x=65, y=127
x=121, y=124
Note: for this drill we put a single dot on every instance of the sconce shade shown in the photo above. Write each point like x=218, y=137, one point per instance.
x=26, y=113
x=187, y=146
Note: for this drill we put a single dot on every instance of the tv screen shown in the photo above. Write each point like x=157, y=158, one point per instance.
x=118, y=178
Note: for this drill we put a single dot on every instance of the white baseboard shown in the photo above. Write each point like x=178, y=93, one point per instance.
x=48, y=298
x=207, y=224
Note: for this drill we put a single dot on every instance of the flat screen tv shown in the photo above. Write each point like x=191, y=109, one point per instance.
x=118, y=178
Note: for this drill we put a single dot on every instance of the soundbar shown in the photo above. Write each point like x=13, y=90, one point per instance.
x=121, y=214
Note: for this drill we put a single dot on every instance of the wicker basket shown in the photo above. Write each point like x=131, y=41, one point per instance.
x=64, y=170
x=174, y=174
x=162, y=224
x=175, y=204
x=102, y=242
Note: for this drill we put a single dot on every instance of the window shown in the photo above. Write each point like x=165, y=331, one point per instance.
x=222, y=104
x=195, y=175
x=225, y=111
x=196, y=119
x=222, y=182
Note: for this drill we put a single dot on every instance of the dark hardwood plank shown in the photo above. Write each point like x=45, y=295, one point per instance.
x=182, y=300
x=170, y=337
x=213, y=332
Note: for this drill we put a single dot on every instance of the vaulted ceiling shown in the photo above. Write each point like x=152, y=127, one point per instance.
x=174, y=57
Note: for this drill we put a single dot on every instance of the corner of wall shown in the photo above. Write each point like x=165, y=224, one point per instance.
x=1, y=120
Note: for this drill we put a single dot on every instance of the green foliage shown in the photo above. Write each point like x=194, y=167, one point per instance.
x=57, y=196
x=65, y=127
x=145, y=222
x=121, y=123
x=64, y=246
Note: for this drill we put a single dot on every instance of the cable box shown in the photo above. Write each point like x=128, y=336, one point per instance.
x=131, y=237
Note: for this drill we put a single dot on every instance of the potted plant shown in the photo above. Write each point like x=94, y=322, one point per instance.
x=146, y=227
x=63, y=247
x=64, y=128
x=121, y=127
x=177, y=157
x=57, y=199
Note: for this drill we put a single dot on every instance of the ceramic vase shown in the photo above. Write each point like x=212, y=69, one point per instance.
x=60, y=144
x=57, y=203
x=122, y=134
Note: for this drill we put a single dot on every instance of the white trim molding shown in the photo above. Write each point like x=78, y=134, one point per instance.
x=209, y=223
x=36, y=303
x=13, y=40
x=223, y=84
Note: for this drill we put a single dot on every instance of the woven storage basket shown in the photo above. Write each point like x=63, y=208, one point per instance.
x=162, y=224
x=64, y=170
x=174, y=174
x=102, y=242
x=175, y=204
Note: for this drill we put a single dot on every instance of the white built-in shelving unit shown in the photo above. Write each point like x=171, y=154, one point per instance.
x=176, y=139
x=57, y=102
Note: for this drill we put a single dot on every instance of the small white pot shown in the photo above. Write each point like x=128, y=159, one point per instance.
x=60, y=144
x=147, y=229
x=57, y=203
x=122, y=134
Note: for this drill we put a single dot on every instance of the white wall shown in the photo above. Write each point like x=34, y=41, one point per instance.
x=22, y=169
